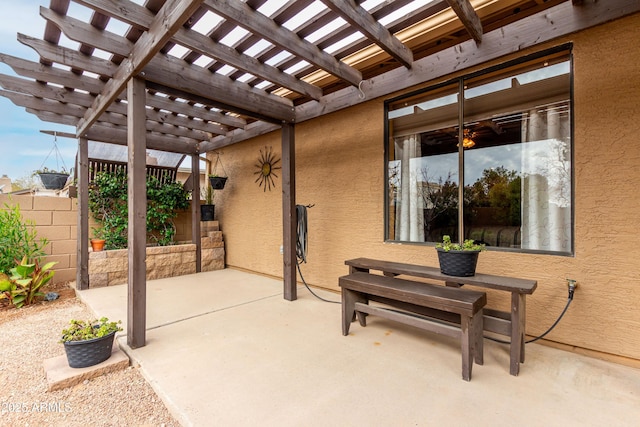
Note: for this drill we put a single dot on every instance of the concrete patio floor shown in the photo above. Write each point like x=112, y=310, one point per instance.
x=225, y=349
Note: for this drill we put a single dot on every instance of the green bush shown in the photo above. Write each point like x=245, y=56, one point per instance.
x=18, y=239
x=108, y=203
x=25, y=282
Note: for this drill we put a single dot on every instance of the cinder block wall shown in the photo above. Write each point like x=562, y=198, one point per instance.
x=56, y=219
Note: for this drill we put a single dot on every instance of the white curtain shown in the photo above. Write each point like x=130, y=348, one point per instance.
x=546, y=183
x=409, y=210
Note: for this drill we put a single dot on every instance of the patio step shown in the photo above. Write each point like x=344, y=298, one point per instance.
x=60, y=375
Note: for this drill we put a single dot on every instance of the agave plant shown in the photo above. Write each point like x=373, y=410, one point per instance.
x=25, y=282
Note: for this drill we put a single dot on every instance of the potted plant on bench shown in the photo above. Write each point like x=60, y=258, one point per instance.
x=458, y=259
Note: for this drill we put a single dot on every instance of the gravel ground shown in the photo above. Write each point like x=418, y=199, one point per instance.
x=30, y=335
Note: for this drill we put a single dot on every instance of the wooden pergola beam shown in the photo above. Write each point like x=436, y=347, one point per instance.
x=372, y=29
x=173, y=14
x=192, y=81
x=469, y=18
x=156, y=121
x=79, y=31
x=255, y=22
x=112, y=134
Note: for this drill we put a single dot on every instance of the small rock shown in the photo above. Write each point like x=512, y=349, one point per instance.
x=50, y=296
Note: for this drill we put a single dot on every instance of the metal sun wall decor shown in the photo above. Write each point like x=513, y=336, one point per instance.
x=266, y=166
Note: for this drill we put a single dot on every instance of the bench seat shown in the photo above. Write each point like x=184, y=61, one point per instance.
x=359, y=288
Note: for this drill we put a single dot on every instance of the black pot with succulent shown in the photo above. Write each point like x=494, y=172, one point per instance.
x=458, y=259
x=88, y=343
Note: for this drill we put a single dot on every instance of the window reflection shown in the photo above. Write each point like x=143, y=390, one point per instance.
x=516, y=134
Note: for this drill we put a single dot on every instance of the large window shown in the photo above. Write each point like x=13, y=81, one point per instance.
x=505, y=134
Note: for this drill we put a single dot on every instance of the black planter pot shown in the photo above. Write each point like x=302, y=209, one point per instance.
x=458, y=263
x=206, y=212
x=217, y=182
x=53, y=181
x=81, y=354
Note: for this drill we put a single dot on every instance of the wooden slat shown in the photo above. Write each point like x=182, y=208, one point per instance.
x=159, y=122
x=70, y=80
x=257, y=23
x=172, y=15
x=469, y=18
x=176, y=74
x=418, y=322
x=76, y=30
x=372, y=29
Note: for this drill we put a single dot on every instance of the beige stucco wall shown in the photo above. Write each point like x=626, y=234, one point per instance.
x=339, y=169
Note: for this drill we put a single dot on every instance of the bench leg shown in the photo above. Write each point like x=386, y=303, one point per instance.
x=467, y=340
x=478, y=347
x=349, y=299
x=518, y=316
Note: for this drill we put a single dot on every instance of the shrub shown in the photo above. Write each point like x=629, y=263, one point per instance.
x=108, y=203
x=18, y=239
x=25, y=282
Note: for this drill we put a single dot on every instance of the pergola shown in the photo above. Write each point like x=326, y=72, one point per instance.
x=192, y=76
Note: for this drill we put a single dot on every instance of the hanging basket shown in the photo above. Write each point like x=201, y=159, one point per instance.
x=53, y=180
x=217, y=182
x=458, y=263
x=81, y=354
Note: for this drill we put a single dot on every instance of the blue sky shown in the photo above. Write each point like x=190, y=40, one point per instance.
x=24, y=148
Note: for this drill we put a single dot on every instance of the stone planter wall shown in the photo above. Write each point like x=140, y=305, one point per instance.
x=108, y=268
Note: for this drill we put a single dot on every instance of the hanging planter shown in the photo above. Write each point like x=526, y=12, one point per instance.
x=53, y=180
x=218, y=182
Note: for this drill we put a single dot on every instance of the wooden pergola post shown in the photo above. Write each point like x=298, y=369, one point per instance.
x=82, y=258
x=289, y=211
x=195, y=210
x=137, y=192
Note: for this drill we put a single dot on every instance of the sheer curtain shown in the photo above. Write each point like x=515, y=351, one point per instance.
x=409, y=212
x=546, y=183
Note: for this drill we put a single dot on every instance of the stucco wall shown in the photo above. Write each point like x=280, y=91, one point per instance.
x=339, y=169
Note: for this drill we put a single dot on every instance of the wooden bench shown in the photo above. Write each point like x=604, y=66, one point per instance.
x=510, y=324
x=359, y=288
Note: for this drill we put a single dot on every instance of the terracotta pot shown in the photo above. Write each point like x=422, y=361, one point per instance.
x=97, y=244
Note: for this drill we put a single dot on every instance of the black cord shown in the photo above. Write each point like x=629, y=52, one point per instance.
x=301, y=246
x=313, y=293
x=545, y=333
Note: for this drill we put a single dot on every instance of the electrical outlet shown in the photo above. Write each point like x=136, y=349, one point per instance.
x=281, y=250
x=572, y=284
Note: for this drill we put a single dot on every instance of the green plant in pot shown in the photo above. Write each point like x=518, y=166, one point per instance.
x=458, y=259
x=207, y=209
x=89, y=342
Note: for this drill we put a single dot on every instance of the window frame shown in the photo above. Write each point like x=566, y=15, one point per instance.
x=459, y=80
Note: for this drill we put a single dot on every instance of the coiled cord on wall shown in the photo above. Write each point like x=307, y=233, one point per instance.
x=301, y=247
